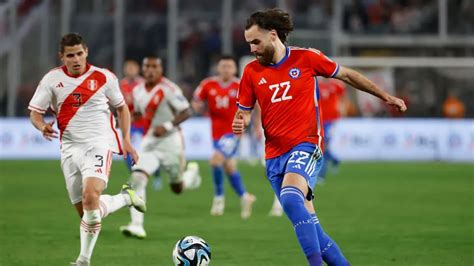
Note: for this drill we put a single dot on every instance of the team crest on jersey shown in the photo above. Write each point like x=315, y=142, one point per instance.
x=294, y=73
x=92, y=84
x=212, y=92
x=233, y=93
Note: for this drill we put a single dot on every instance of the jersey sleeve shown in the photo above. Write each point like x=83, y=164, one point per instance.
x=321, y=64
x=201, y=92
x=245, y=95
x=113, y=92
x=42, y=98
x=176, y=99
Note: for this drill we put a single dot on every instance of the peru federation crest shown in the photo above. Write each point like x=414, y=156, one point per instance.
x=92, y=84
x=294, y=73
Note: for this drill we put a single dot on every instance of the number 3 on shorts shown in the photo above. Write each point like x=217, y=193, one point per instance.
x=100, y=158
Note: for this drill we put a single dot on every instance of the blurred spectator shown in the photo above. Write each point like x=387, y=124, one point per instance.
x=355, y=17
x=316, y=14
x=453, y=107
x=391, y=16
x=378, y=14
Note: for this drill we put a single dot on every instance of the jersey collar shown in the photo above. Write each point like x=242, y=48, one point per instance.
x=64, y=68
x=287, y=54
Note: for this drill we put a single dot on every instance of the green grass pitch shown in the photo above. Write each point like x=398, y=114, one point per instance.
x=379, y=213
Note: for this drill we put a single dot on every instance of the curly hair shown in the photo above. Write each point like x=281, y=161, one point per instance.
x=272, y=19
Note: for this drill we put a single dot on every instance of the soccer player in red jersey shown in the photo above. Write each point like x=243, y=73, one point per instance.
x=80, y=94
x=220, y=93
x=331, y=92
x=283, y=81
x=131, y=72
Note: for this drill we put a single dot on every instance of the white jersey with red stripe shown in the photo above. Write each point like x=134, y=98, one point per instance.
x=81, y=105
x=160, y=104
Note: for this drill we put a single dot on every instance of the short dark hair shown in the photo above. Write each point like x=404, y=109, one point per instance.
x=71, y=39
x=226, y=57
x=152, y=57
x=272, y=19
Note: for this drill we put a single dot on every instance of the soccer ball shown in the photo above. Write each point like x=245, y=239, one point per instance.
x=192, y=251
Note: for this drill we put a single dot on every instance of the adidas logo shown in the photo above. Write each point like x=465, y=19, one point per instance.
x=262, y=81
x=98, y=170
x=60, y=85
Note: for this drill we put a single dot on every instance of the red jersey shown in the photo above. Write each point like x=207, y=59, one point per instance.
x=127, y=86
x=288, y=97
x=221, y=100
x=330, y=92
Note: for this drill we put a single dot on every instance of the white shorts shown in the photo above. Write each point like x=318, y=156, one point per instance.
x=82, y=162
x=167, y=153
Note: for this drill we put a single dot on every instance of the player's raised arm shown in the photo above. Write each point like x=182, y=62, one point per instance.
x=360, y=82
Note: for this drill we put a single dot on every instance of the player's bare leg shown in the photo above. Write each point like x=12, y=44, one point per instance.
x=91, y=218
x=246, y=199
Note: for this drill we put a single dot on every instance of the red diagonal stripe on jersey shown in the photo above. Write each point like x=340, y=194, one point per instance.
x=70, y=105
x=151, y=109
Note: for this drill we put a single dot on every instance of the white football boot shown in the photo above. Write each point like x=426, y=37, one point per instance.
x=133, y=230
x=277, y=210
x=218, y=205
x=79, y=263
x=246, y=203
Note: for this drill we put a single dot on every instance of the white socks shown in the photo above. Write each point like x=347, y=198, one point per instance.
x=90, y=229
x=139, y=182
x=109, y=204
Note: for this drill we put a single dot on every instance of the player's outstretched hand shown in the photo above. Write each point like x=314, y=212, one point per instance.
x=129, y=150
x=397, y=102
x=49, y=132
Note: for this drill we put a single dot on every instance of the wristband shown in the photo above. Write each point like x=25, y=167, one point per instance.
x=168, y=126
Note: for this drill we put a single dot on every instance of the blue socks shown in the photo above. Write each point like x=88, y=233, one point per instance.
x=236, y=183
x=292, y=201
x=331, y=253
x=234, y=178
x=218, y=178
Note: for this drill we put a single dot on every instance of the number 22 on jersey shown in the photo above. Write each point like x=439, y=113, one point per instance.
x=283, y=87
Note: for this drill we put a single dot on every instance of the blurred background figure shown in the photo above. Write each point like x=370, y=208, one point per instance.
x=332, y=95
x=220, y=92
x=131, y=78
x=453, y=107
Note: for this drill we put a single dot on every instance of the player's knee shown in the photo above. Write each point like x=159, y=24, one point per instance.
x=229, y=169
x=177, y=188
x=217, y=159
x=90, y=197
